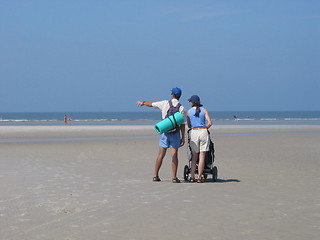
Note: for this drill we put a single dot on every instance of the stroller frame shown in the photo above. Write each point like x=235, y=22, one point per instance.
x=209, y=168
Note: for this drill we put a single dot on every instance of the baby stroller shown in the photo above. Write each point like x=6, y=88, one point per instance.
x=209, y=168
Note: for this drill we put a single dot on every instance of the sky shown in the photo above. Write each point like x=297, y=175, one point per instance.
x=81, y=55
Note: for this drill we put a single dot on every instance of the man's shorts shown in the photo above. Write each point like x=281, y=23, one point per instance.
x=170, y=140
x=199, y=140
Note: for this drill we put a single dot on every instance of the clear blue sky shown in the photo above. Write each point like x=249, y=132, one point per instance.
x=77, y=55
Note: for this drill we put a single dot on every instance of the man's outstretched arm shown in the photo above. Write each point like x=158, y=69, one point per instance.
x=143, y=103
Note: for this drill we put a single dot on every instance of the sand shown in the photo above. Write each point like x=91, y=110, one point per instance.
x=95, y=182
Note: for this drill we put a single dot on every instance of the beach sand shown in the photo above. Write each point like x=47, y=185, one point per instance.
x=95, y=182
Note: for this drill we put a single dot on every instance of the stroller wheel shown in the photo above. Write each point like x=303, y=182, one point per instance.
x=186, y=172
x=205, y=176
x=214, y=173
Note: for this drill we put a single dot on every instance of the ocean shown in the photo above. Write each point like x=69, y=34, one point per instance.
x=153, y=116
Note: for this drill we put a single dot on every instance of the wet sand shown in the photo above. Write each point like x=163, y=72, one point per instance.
x=95, y=182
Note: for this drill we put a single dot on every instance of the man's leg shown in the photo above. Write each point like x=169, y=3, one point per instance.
x=174, y=155
x=161, y=154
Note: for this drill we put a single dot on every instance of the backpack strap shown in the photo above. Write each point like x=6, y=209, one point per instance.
x=170, y=106
x=178, y=106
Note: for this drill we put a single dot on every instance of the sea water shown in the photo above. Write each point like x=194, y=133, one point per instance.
x=152, y=117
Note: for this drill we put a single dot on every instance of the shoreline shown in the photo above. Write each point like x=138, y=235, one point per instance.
x=118, y=122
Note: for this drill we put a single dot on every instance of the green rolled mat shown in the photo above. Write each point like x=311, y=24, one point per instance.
x=169, y=123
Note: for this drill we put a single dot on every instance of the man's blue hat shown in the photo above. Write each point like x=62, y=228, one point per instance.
x=176, y=91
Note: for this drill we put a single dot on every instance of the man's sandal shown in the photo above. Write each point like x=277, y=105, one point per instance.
x=176, y=180
x=156, y=179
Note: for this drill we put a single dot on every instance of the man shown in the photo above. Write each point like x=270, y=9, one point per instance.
x=172, y=140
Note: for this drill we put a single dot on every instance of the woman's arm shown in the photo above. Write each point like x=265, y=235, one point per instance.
x=208, y=118
x=188, y=119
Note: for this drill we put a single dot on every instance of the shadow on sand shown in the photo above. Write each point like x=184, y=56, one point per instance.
x=225, y=180
x=210, y=180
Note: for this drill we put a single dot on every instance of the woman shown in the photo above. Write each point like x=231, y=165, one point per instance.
x=199, y=121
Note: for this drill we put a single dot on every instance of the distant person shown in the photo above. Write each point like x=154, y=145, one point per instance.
x=65, y=120
x=199, y=121
x=235, y=117
x=69, y=119
x=168, y=140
